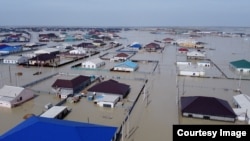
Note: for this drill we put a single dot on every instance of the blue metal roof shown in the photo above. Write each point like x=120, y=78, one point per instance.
x=127, y=63
x=48, y=129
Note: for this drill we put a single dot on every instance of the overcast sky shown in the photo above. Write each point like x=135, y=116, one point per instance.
x=125, y=13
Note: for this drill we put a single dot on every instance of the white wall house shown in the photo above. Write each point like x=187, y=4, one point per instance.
x=93, y=63
x=15, y=59
x=187, y=63
x=11, y=96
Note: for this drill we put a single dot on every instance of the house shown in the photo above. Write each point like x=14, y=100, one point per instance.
x=15, y=59
x=152, y=47
x=240, y=65
x=136, y=45
x=190, y=70
x=127, y=66
x=45, y=60
x=6, y=49
x=47, y=51
x=196, y=55
x=183, y=50
x=93, y=63
x=37, y=128
x=11, y=96
x=107, y=100
x=210, y=108
x=121, y=57
x=242, y=102
x=78, y=51
x=189, y=43
x=204, y=64
x=110, y=87
x=168, y=40
x=65, y=87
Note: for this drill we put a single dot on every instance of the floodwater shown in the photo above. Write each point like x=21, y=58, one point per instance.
x=156, y=110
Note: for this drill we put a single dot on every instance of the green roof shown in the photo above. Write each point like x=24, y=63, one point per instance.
x=241, y=64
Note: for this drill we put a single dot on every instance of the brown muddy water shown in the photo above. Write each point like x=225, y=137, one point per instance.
x=156, y=110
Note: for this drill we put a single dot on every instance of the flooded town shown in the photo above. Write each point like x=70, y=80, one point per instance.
x=134, y=83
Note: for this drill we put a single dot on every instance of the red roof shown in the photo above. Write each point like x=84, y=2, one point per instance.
x=183, y=49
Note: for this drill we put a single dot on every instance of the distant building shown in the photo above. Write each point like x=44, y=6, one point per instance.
x=127, y=66
x=152, y=47
x=190, y=70
x=240, y=65
x=45, y=60
x=93, y=63
x=15, y=59
x=11, y=96
x=107, y=100
x=47, y=51
x=6, y=49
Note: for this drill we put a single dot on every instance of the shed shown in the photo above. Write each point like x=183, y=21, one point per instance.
x=207, y=108
x=38, y=128
x=11, y=96
x=47, y=51
x=196, y=55
x=191, y=70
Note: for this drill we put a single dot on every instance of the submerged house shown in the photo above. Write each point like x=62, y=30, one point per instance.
x=110, y=87
x=152, y=47
x=7, y=49
x=48, y=129
x=15, y=59
x=11, y=96
x=93, y=63
x=196, y=55
x=120, y=57
x=240, y=65
x=242, y=102
x=207, y=108
x=65, y=88
x=127, y=66
x=45, y=60
x=190, y=70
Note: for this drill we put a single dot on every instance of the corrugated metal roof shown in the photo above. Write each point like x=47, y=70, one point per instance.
x=10, y=91
x=53, y=111
x=48, y=129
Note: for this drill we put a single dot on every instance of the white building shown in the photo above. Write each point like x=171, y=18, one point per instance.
x=93, y=64
x=58, y=112
x=15, y=59
x=181, y=63
x=107, y=100
x=11, y=96
x=204, y=64
x=196, y=54
x=78, y=51
x=242, y=101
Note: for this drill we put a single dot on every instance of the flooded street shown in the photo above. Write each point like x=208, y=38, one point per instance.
x=156, y=110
